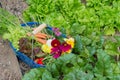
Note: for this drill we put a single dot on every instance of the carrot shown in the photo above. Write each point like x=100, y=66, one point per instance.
x=40, y=36
x=41, y=40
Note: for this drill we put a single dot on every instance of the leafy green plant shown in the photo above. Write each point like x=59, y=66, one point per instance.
x=10, y=27
x=94, y=55
x=91, y=62
x=76, y=17
x=6, y=20
x=74, y=67
x=13, y=34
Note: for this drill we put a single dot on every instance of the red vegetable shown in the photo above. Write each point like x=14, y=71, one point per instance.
x=39, y=61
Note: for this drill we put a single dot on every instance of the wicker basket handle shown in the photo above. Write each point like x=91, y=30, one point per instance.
x=39, y=28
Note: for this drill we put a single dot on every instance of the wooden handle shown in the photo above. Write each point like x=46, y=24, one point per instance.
x=39, y=28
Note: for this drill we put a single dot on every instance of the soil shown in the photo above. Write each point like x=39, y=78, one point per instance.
x=9, y=67
x=14, y=6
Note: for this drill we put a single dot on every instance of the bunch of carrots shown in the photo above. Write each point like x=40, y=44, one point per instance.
x=40, y=37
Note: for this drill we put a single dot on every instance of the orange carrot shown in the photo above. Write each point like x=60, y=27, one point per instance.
x=41, y=40
x=40, y=36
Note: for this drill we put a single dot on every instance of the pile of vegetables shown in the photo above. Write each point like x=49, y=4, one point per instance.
x=11, y=30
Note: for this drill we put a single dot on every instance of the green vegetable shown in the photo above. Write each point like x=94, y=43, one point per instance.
x=6, y=20
x=14, y=34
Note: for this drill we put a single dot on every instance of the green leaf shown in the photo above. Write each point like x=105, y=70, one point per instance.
x=34, y=74
x=112, y=52
x=66, y=57
x=68, y=63
x=118, y=28
x=7, y=20
x=85, y=53
x=78, y=45
x=117, y=39
x=92, y=49
x=99, y=77
x=67, y=70
x=47, y=76
x=103, y=65
x=77, y=28
x=109, y=30
x=116, y=68
x=85, y=40
x=52, y=68
x=78, y=75
x=70, y=76
x=111, y=48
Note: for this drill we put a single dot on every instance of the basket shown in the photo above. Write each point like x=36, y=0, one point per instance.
x=21, y=56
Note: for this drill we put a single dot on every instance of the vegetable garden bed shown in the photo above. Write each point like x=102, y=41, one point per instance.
x=95, y=55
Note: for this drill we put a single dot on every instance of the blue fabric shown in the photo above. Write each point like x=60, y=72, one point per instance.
x=31, y=24
x=49, y=27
